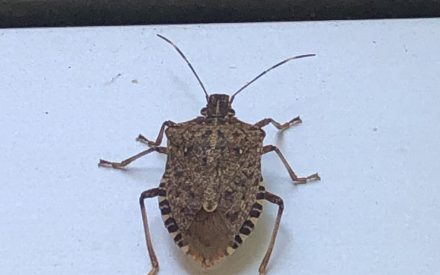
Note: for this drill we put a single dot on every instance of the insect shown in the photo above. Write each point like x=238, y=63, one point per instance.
x=212, y=191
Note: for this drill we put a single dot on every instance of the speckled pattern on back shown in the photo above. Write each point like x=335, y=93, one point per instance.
x=211, y=183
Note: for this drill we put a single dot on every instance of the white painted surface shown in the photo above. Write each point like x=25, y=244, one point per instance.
x=370, y=106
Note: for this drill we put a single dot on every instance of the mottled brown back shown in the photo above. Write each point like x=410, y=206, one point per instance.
x=212, y=178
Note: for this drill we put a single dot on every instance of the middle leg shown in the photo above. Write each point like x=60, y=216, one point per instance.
x=122, y=164
x=293, y=176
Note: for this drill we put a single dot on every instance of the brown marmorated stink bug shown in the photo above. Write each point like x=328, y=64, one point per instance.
x=211, y=193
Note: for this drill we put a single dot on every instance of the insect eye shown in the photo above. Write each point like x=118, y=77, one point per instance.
x=203, y=112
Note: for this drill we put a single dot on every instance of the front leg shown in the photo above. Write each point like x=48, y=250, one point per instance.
x=159, y=138
x=293, y=176
x=279, y=126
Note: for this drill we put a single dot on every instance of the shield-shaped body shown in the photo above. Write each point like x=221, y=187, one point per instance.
x=213, y=185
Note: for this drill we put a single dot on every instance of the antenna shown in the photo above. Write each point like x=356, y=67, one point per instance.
x=268, y=70
x=187, y=62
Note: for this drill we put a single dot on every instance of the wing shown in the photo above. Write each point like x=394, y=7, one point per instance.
x=212, y=178
x=242, y=175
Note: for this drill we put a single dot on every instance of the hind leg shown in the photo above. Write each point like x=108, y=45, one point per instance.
x=276, y=200
x=153, y=259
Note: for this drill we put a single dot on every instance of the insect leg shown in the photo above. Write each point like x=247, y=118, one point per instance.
x=293, y=176
x=284, y=126
x=122, y=164
x=279, y=201
x=159, y=138
x=146, y=195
